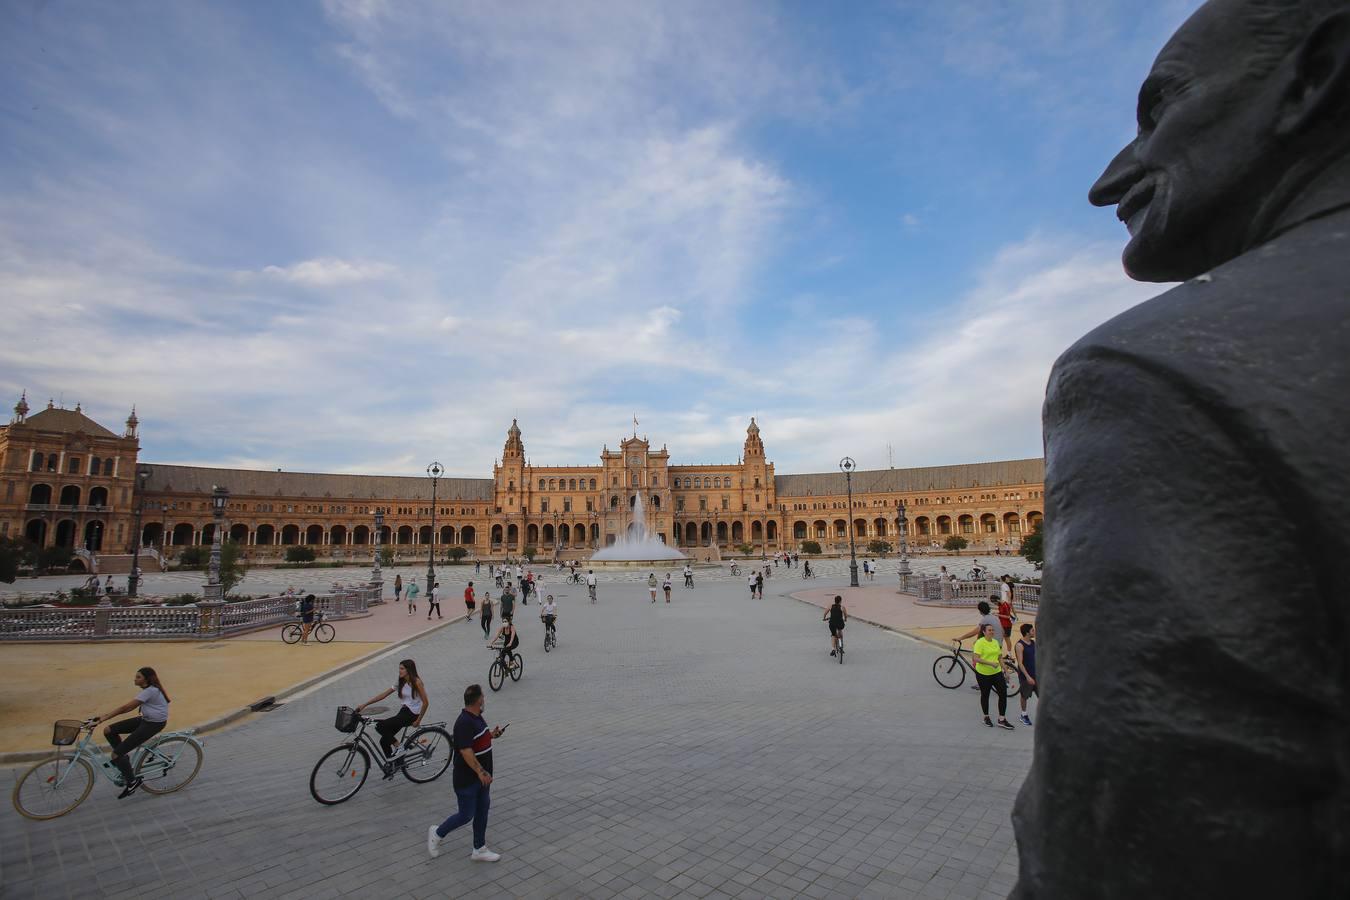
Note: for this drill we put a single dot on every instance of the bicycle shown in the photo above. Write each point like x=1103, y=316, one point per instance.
x=949, y=670
x=550, y=637
x=56, y=786
x=735, y=569
x=341, y=772
x=573, y=578
x=841, y=648
x=321, y=632
x=500, y=668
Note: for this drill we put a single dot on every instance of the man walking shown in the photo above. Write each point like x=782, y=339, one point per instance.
x=471, y=777
x=508, y=602
x=469, y=599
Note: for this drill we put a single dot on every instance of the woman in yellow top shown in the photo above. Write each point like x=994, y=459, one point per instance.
x=989, y=673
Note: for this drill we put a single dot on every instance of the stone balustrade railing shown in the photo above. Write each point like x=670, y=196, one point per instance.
x=928, y=588
x=202, y=621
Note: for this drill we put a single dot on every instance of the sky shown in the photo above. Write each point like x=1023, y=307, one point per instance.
x=362, y=235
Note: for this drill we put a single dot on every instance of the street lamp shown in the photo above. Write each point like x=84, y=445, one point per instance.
x=142, y=475
x=376, y=578
x=903, y=523
x=434, y=472
x=847, y=465
x=215, y=591
x=556, y=518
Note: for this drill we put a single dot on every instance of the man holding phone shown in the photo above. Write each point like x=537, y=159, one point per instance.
x=472, y=777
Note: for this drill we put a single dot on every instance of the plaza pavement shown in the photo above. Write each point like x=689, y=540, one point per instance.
x=709, y=748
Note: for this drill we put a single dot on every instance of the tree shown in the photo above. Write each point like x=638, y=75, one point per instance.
x=879, y=547
x=956, y=543
x=194, y=557
x=456, y=554
x=744, y=549
x=232, y=566
x=299, y=554
x=811, y=547
x=53, y=558
x=14, y=552
x=529, y=553
x=386, y=555
x=1032, y=549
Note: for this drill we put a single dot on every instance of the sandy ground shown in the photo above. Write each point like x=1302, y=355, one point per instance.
x=42, y=683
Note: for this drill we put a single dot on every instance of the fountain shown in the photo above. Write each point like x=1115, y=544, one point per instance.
x=638, y=544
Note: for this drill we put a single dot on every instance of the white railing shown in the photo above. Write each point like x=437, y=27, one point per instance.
x=969, y=593
x=204, y=620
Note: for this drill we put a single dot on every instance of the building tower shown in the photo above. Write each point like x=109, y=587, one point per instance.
x=132, y=423
x=20, y=410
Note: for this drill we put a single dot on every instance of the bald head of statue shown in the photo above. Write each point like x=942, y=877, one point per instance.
x=1192, y=733
x=1240, y=117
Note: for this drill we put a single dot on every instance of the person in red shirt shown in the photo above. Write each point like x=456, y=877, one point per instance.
x=1006, y=617
x=468, y=599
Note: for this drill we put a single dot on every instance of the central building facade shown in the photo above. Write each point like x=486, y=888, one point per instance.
x=70, y=482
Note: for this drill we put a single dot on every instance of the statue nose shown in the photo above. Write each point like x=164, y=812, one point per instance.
x=1121, y=174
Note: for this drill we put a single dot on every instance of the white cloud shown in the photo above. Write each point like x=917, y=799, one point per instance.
x=328, y=272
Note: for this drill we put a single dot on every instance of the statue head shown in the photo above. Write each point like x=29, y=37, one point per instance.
x=1243, y=110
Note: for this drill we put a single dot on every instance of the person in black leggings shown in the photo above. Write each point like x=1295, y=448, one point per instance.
x=412, y=695
x=154, y=715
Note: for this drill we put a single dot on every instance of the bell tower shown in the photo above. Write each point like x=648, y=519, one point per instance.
x=510, y=474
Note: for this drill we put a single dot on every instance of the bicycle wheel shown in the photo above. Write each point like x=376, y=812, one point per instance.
x=517, y=667
x=181, y=761
x=1014, y=683
x=291, y=633
x=433, y=745
x=548, y=642
x=339, y=774
x=53, y=787
x=841, y=651
x=324, y=633
x=949, y=671
x=496, y=675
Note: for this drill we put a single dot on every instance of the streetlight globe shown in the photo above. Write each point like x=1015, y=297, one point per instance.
x=847, y=464
x=435, y=470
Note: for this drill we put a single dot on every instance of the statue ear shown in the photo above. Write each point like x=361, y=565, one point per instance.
x=1321, y=79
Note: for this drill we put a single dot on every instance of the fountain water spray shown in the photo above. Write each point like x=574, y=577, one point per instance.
x=637, y=543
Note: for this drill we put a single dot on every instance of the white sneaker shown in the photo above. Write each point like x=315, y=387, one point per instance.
x=433, y=842
x=483, y=854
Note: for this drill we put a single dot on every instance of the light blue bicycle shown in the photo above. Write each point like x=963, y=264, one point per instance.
x=53, y=787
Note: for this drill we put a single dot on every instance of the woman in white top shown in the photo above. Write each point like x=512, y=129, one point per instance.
x=154, y=715
x=412, y=694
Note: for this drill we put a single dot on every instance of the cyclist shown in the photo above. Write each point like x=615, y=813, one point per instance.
x=549, y=616
x=590, y=583
x=306, y=617
x=735, y=569
x=412, y=695
x=837, y=615
x=153, y=716
x=507, y=641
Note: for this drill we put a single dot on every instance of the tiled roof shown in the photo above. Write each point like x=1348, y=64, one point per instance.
x=66, y=421
x=253, y=483
x=932, y=478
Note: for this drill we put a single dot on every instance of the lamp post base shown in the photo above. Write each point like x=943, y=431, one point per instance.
x=853, y=574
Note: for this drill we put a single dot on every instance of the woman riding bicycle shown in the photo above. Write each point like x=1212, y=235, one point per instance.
x=838, y=617
x=412, y=694
x=154, y=715
x=507, y=641
x=549, y=615
x=306, y=617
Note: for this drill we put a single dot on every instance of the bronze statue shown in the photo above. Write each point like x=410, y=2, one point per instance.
x=1194, y=737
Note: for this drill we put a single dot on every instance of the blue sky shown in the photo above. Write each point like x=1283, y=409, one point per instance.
x=359, y=235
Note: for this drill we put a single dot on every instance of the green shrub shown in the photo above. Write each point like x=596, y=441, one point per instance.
x=744, y=549
x=528, y=553
x=1032, y=548
x=455, y=554
x=955, y=543
x=194, y=557
x=298, y=553
x=811, y=547
x=879, y=547
x=49, y=558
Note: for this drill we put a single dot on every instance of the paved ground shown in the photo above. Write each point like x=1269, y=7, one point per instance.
x=708, y=748
x=261, y=582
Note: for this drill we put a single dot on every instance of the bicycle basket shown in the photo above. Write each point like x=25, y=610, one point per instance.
x=346, y=720
x=66, y=732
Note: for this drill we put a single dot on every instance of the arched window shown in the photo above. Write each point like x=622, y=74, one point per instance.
x=592, y=484
x=95, y=466
x=571, y=484
x=541, y=484
x=614, y=502
x=553, y=484
x=108, y=466
x=37, y=462
x=52, y=460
